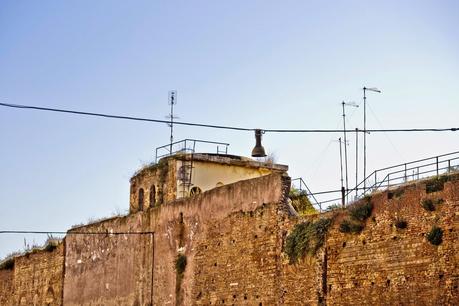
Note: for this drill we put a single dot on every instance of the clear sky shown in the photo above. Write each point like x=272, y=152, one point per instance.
x=264, y=64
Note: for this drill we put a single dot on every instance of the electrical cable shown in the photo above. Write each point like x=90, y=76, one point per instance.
x=18, y=106
x=74, y=112
x=71, y=232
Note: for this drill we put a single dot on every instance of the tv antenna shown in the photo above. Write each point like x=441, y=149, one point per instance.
x=172, y=101
x=352, y=104
x=365, y=89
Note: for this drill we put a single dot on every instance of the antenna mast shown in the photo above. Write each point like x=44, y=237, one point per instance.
x=172, y=101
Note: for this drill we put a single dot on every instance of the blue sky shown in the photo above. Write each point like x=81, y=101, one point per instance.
x=265, y=64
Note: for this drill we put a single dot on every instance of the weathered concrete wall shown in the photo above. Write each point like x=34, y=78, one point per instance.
x=207, y=175
x=36, y=279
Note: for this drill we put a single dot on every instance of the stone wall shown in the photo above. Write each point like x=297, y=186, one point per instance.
x=237, y=262
x=383, y=264
x=6, y=286
x=388, y=265
x=158, y=183
x=185, y=226
x=233, y=238
x=36, y=278
x=107, y=263
x=112, y=268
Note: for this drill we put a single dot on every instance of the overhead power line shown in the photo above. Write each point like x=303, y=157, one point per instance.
x=74, y=112
x=76, y=232
x=214, y=126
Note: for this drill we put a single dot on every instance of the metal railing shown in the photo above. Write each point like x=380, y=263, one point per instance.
x=188, y=146
x=402, y=173
x=303, y=187
x=393, y=176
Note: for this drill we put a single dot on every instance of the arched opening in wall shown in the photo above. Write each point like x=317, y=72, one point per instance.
x=152, y=195
x=219, y=184
x=195, y=190
x=141, y=196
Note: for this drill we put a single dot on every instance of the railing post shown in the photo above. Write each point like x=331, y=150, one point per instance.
x=449, y=165
x=388, y=180
x=437, y=164
x=376, y=181
x=405, y=174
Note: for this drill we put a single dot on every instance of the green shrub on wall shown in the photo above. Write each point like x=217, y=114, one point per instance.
x=301, y=203
x=358, y=213
x=430, y=205
x=347, y=226
x=361, y=211
x=435, y=236
x=306, y=238
x=180, y=264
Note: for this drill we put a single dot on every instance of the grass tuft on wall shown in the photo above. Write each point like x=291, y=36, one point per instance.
x=306, y=238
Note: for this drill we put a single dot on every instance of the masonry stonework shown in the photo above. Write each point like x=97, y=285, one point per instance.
x=387, y=265
x=6, y=286
x=105, y=265
x=233, y=238
x=36, y=279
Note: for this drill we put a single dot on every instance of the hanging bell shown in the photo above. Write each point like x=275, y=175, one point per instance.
x=258, y=150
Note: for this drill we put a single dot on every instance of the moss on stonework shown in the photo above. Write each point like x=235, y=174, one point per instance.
x=306, y=238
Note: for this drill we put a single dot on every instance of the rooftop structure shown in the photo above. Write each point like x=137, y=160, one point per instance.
x=187, y=174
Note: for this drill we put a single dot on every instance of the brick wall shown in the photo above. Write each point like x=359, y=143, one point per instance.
x=387, y=265
x=383, y=265
x=6, y=286
x=233, y=236
x=37, y=278
x=116, y=269
x=237, y=262
x=188, y=225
